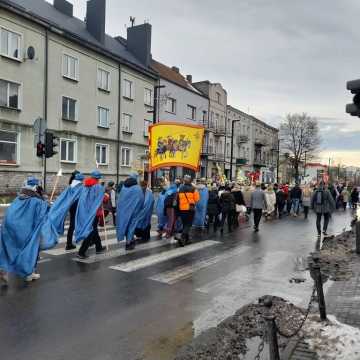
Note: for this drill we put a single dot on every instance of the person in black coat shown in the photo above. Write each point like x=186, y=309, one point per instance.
x=280, y=200
x=354, y=197
x=213, y=208
x=239, y=200
x=228, y=207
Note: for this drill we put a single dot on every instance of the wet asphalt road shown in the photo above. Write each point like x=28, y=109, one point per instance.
x=155, y=299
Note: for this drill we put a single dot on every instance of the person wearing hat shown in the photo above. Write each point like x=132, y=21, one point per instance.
x=257, y=204
x=86, y=219
x=20, y=234
x=188, y=197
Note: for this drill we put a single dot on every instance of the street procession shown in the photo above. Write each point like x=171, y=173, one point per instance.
x=179, y=180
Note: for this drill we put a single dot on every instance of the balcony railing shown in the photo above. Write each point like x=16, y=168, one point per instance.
x=240, y=139
x=220, y=130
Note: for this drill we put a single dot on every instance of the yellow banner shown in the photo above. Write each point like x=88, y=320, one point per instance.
x=175, y=144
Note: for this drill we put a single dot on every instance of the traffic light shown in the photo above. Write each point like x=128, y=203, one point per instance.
x=50, y=144
x=40, y=149
x=354, y=108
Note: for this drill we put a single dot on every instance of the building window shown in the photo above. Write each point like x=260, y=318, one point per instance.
x=171, y=105
x=103, y=117
x=68, y=150
x=8, y=147
x=102, y=154
x=125, y=156
x=148, y=100
x=9, y=94
x=218, y=97
x=191, y=112
x=128, y=91
x=70, y=67
x=69, y=109
x=126, y=123
x=10, y=44
x=103, y=81
x=147, y=123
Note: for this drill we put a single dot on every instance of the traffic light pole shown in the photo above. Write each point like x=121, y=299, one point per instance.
x=44, y=166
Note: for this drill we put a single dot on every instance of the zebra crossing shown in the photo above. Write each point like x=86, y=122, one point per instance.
x=162, y=250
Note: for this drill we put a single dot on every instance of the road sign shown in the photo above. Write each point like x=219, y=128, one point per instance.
x=39, y=131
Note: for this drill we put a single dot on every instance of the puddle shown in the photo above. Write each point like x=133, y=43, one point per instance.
x=166, y=347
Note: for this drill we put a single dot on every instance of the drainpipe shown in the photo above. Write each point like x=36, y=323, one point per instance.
x=118, y=131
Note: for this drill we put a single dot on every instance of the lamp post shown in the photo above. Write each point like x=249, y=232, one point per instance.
x=232, y=147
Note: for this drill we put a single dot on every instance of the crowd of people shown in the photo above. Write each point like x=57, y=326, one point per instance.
x=32, y=223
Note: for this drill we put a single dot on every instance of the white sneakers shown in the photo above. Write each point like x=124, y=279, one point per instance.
x=4, y=278
x=33, y=276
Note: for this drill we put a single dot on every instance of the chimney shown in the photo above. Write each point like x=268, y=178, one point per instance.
x=64, y=6
x=176, y=69
x=95, y=19
x=139, y=42
x=189, y=78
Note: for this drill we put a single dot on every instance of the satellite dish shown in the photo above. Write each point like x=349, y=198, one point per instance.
x=31, y=52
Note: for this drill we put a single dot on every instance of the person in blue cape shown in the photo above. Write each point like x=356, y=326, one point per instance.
x=143, y=226
x=131, y=201
x=160, y=211
x=67, y=201
x=201, y=205
x=20, y=235
x=86, y=219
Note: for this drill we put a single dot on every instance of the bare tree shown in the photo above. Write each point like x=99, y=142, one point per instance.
x=300, y=137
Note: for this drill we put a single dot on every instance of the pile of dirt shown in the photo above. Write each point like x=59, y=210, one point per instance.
x=336, y=256
x=228, y=340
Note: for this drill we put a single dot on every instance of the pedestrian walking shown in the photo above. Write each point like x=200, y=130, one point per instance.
x=143, y=225
x=171, y=205
x=270, y=201
x=160, y=211
x=90, y=209
x=306, y=200
x=188, y=196
x=21, y=233
x=239, y=203
x=323, y=204
x=257, y=205
x=111, y=205
x=75, y=183
x=295, y=198
x=354, y=197
x=213, y=208
x=201, y=205
x=280, y=200
x=129, y=205
x=228, y=209
x=344, y=197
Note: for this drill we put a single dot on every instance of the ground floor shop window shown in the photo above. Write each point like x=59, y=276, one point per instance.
x=8, y=147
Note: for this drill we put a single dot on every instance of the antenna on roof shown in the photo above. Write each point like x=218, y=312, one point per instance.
x=132, y=20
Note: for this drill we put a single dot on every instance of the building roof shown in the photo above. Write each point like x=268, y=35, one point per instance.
x=45, y=12
x=173, y=76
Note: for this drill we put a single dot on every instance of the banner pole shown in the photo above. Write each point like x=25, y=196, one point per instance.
x=54, y=188
x=105, y=230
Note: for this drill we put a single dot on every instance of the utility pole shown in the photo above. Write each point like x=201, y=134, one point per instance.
x=278, y=162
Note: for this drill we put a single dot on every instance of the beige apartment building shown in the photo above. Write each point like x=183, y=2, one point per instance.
x=95, y=91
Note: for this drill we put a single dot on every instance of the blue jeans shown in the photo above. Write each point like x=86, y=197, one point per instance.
x=295, y=206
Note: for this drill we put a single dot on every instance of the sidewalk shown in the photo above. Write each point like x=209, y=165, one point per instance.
x=342, y=301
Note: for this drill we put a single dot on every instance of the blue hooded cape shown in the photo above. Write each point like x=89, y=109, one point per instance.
x=90, y=200
x=130, y=203
x=160, y=207
x=144, y=218
x=20, y=237
x=54, y=224
x=201, y=207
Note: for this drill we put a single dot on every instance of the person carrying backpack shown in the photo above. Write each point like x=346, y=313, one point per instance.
x=323, y=203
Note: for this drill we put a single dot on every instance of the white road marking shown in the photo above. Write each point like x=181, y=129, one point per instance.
x=44, y=261
x=164, y=256
x=121, y=252
x=110, y=232
x=183, y=272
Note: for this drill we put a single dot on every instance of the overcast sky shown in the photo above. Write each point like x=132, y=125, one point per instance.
x=273, y=57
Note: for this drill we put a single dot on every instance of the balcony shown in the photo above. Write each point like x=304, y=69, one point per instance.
x=210, y=150
x=220, y=156
x=220, y=130
x=260, y=141
x=240, y=139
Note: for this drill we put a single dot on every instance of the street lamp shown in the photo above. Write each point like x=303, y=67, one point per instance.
x=232, y=146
